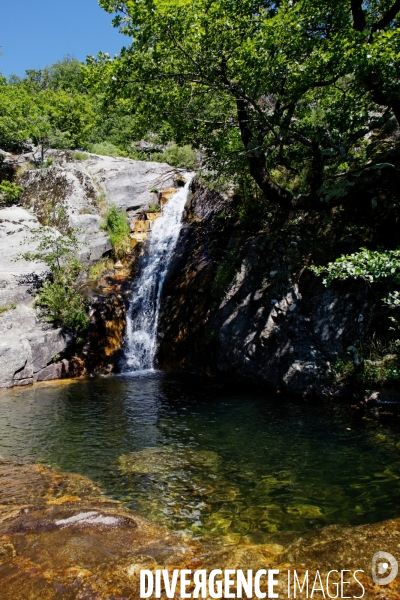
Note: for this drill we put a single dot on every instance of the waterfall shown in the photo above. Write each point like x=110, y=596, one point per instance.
x=142, y=320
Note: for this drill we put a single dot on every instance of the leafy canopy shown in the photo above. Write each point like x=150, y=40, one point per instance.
x=259, y=86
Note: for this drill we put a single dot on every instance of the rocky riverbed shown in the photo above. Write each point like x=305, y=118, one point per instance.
x=60, y=537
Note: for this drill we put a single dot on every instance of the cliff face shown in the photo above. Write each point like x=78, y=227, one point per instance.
x=243, y=303
x=83, y=185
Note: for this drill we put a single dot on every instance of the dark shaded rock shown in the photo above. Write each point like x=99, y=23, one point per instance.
x=243, y=304
x=384, y=397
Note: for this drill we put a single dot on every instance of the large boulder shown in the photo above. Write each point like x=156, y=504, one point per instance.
x=27, y=346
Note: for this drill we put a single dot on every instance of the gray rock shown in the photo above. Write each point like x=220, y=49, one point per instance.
x=27, y=346
x=14, y=356
x=128, y=183
x=18, y=278
x=273, y=324
x=54, y=371
x=95, y=242
x=85, y=187
x=383, y=397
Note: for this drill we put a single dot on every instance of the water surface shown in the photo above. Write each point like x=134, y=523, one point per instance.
x=197, y=456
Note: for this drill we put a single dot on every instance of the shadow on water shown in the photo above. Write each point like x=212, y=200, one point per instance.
x=196, y=455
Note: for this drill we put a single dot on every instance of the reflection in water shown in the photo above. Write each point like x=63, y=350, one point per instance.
x=193, y=455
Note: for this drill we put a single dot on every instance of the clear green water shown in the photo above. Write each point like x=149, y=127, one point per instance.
x=200, y=457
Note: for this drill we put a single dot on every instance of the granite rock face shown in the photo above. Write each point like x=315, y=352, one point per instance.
x=86, y=186
x=28, y=347
x=248, y=308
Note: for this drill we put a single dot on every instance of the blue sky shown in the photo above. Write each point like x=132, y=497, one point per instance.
x=36, y=33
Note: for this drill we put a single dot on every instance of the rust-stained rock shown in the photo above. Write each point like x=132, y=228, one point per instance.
x=165, y=195
x=107, y=328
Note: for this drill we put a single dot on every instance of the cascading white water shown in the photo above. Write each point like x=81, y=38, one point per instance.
x=141, y=336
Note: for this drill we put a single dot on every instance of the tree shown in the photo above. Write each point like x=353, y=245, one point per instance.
x=274, y=88
x=58, y=299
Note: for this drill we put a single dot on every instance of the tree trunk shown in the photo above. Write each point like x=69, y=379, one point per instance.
x=257, y=160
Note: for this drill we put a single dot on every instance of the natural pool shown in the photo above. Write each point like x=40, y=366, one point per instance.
x=194, y=455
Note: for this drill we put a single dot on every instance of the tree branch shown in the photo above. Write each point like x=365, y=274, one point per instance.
x=387, y=17
x=359, y=21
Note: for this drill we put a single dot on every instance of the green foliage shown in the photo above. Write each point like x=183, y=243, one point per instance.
x=53, y=248
x=176, y=156
x=10, y=191
x=100, y=268
x=79, y=155
x=154, y=208
x=366, y=264
x=380, y=372
x=60, y=302
x=48, y=107
x=7, y=307
x=278, y=90
x=342, y=370
x=106, y=149
x=117, y=228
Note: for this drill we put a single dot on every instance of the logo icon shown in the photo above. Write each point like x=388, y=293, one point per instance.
x=384, y=568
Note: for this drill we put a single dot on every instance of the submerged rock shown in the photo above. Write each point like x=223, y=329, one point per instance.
x=61, y=538
x=167, y=460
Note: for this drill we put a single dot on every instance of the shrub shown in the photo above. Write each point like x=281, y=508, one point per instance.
x=7, y=307
x=154, y=208
x=62, y=304
x=106, y=149
x=80, y=155
x=366, y=264
x=10, y=191
x=118, y=229
x=177, y=156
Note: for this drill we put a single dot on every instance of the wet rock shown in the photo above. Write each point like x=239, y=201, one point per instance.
x=51, y=372
x=60, y=538
x=103, y=348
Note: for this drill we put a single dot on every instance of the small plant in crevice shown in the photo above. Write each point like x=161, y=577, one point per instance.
x=77, y=155
x=97, y=270
x=154, y=208
x=226, y=271
x=7, y=307
x=117, y=227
